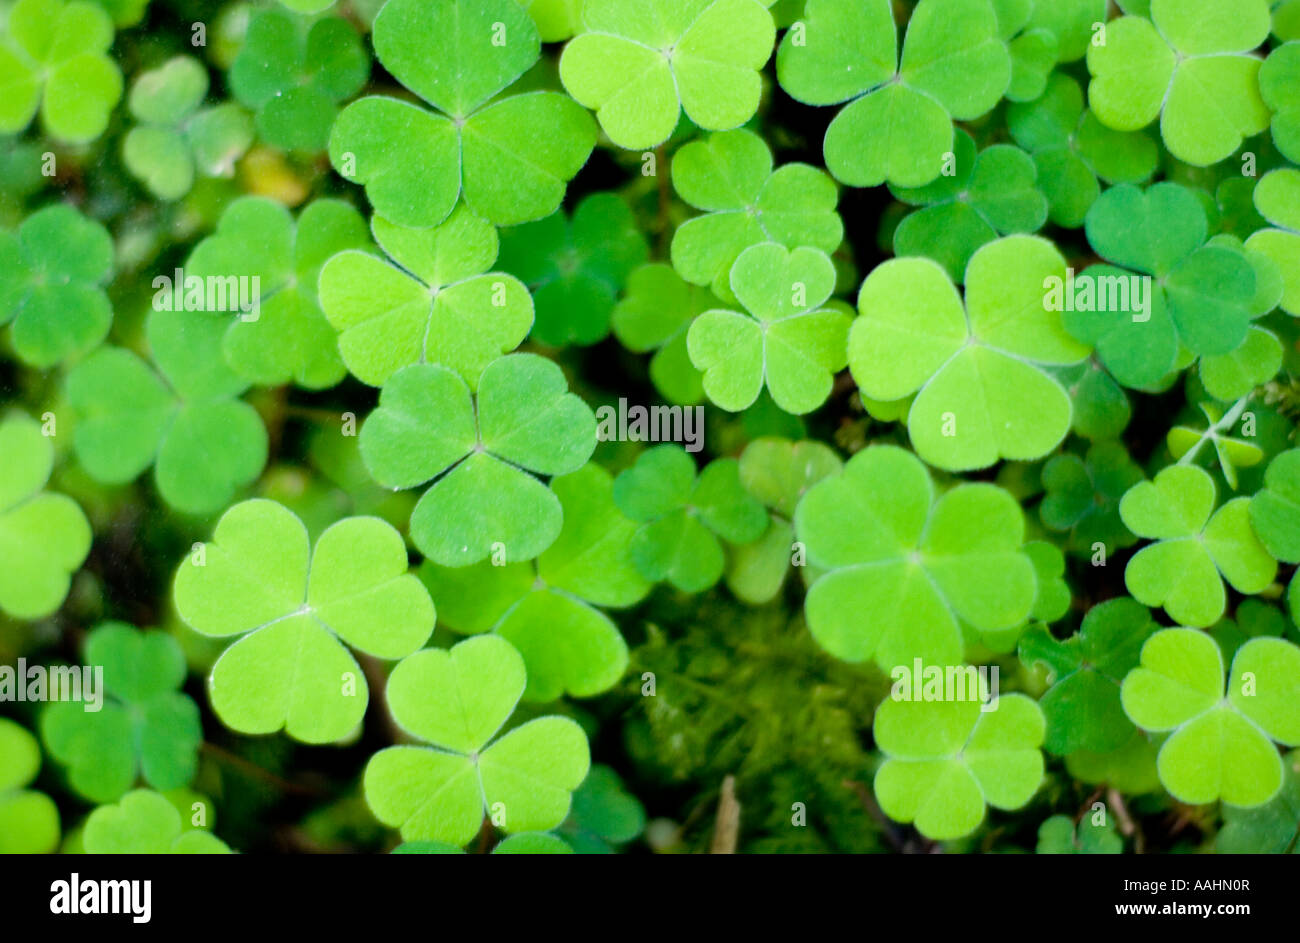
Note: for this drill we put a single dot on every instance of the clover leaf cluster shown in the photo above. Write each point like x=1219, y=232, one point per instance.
x=576, y=426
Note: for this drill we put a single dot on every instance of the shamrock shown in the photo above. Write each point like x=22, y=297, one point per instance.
x=145, y=823
x=481, y=452
x=288, y=339
x=1269, y=829
x=1072, y=149
x=1275, y=510
x=1189, y=293
x=296, y=606
x=1082, y=706
x=640, y=65
x=1058, y=836
x=512, y=159
x=1232, y=453
x=1277, y=197
x=904, y=568
x=52, y=270
x=204, y=443
x=547, y=610
x=897, y=126
x=29, y=820
x=777, y=472
x=44, y=536
x=1181, y=571
x=605, y=815
x=729, y=176
x=788, y=342
x=682, y=515
x=1083, y=494
x=1189, y=65
x=294, y=72
x=174, y=136
x=457, y=701
x=144, y=728
x=987, y=194
x=575, y=267
x=53, y=57
x=1053, y=599
x=1220, y=746
x=946, y=760
x=433, y=303
x=655, y=314
x=980, y=395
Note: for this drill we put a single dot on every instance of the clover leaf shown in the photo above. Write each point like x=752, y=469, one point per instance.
x=52, y=269
x=1275, y=509
x=435, y=302
x=293, y=73
x=640, y=64
x=175, y=137
x=604, y=815
x=777, y=472
x=53, y=57
x=1221, y=747
x=1231, y=451
x=145, y=823
x=1058, y=836
x=1269, y=829
x=1181, y=572
x=787, y=343
x=1083, y=495
x=1189, y=65
x=990, y=193
x=1072, y=149
x=29, y=820
x=655, y=314
x=481, y=453
x=287, y=339
x=897, y=125
x=547, y=609
x=144, y=728
x=575, y=267
x=1277, y=197
x=204, y=443
x=1082, y=706
x=683, y=515
x=457, y=701
x=1279, y=86
x=1101, y=407
x=1071, y=22
x=1228, y=377
x=44, y=536
x=903, y=568
x=1195, y=295
x=729, y=175
x=297, y=608
x=512, y=159
x=980, y=394
x=1254, y=618
x=557, y=20
x=945, y=761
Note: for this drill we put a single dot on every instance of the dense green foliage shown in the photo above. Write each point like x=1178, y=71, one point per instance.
x=603, y=426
